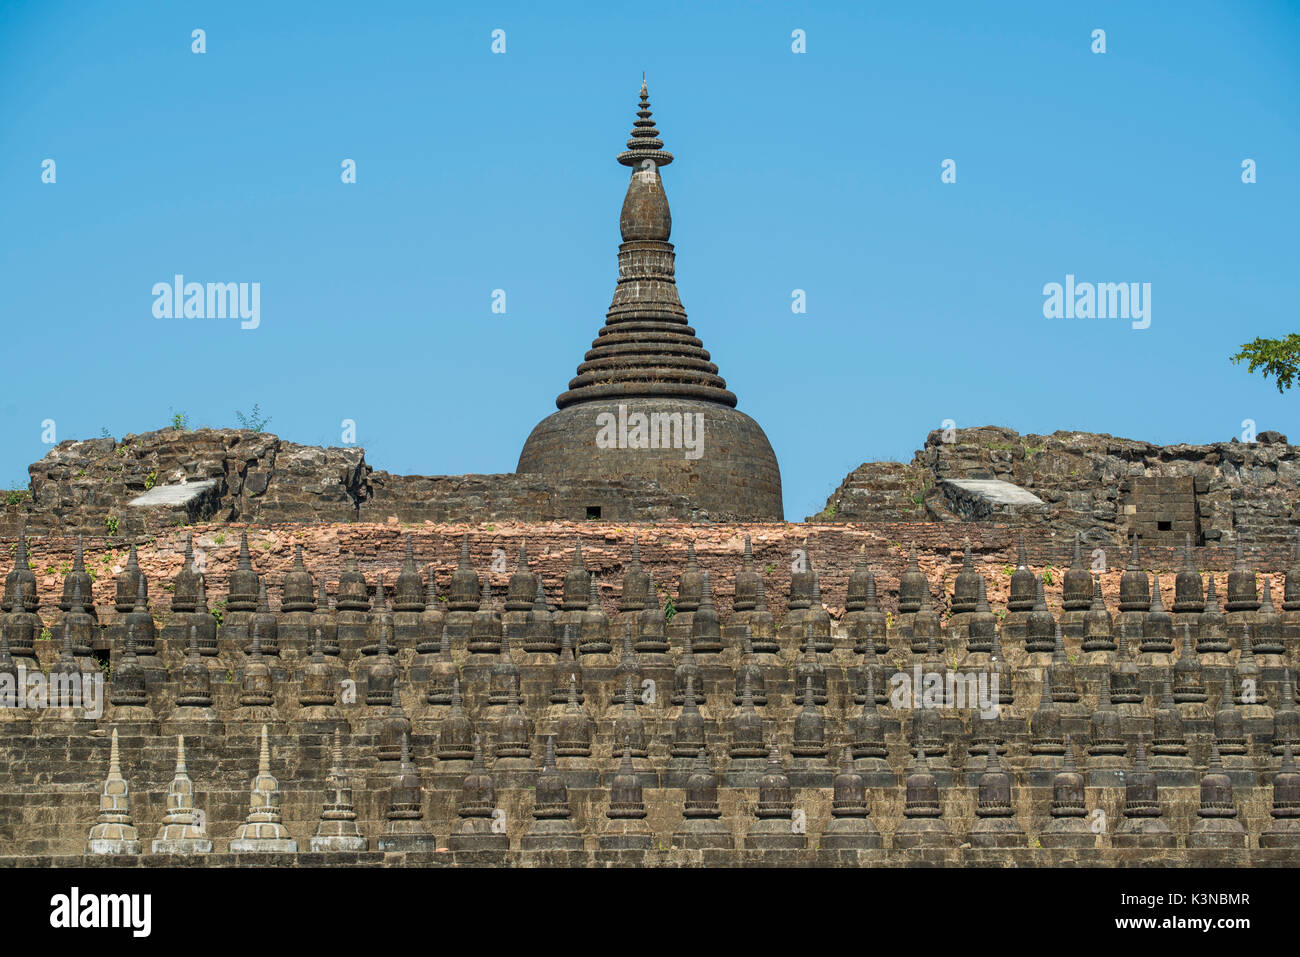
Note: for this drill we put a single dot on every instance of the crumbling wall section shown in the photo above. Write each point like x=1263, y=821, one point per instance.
x=1097, y=485
x=86, y=486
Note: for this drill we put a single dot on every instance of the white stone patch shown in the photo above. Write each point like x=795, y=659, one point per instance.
x=996, y=491
x=171, y=495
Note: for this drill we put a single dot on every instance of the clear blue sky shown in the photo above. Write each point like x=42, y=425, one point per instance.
x=476, y=171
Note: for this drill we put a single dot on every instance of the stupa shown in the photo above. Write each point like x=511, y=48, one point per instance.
x=647, y=402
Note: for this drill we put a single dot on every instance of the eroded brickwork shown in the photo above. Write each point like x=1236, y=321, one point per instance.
x=715, y=664
x=1102, y=487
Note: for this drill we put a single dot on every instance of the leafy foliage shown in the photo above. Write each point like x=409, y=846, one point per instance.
x=254, y=420
x=1279, y=358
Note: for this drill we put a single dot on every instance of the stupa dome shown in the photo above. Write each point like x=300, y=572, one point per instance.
x=647, y=402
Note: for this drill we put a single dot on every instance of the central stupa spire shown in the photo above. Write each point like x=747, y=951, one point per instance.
x=647, y=419
x=646, y=348
x=645, y=143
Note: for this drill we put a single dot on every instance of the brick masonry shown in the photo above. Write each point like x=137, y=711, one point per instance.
x=51, y=772
x=1103, y=487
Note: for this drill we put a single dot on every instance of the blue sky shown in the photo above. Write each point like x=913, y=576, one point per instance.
x=817, y=171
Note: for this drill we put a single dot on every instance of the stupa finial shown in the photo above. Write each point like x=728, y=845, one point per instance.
x=644, y=143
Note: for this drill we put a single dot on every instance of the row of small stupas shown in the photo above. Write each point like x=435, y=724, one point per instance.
x=477, y=832
x=425, y=692
x=418, y=613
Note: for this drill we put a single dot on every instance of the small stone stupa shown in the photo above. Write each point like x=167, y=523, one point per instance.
x=114, y=832
x=337, y=830
x=183, y=830
x=263, y=831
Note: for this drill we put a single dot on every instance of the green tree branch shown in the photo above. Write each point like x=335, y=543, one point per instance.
x=1279, y=358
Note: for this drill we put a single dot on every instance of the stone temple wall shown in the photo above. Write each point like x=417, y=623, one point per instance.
x=86, y=486
x=832, y=547
x=519, y=497
x=55, y=763
x=237, y=475
x=1103, y=487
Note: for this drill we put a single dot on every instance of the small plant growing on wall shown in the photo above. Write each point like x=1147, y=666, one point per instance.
x=254, y=420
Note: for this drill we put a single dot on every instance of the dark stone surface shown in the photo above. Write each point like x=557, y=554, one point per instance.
x=646, y=360
x=736, y=475
x=1098, y=485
